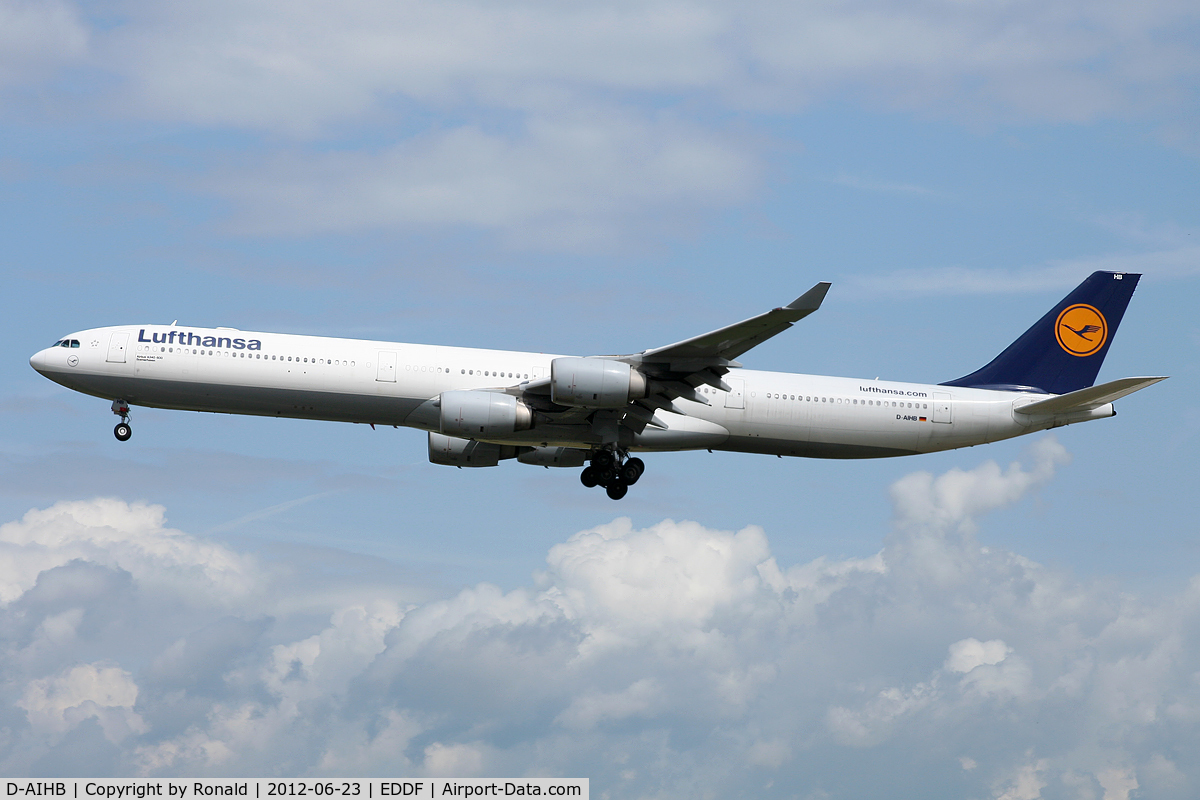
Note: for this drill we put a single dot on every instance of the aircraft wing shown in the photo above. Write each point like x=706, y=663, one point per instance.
x=677, y=370
x=721, y=346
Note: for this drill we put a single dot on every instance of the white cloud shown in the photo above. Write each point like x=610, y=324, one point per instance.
x=954, y=500
x=561, y=181
x=454, y=760
x=56, y=704
x=302, y=66
x=971, y=653
x=547, y=124
x=129, y=537
x=640, y=699
x=1118, y=783
x=658, y=661
x=1027, y=784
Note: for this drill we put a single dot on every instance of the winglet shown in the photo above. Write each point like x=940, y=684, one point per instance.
x=811, y=300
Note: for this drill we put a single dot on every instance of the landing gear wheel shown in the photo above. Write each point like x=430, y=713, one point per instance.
x=605, y=475
x=617, y=489
x=123, y=431
x=602, y=458
x=631, y=470
x=588, y=477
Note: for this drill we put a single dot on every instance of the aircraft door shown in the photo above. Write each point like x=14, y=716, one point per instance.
x=387, y=366
x=943, y=409
x=736, y=398
x=117, y=345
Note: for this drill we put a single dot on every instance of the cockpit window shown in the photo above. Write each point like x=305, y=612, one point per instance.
x=60, y=343
x=74, y=343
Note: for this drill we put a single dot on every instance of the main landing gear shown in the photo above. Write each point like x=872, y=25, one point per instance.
x=613, y=471
x=122, y=431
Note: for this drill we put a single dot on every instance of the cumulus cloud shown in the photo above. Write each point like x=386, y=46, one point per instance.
x=56, y=704
x=666, y=661
x=129, y=538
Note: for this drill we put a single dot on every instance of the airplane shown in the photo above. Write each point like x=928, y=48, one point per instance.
x=480, y=407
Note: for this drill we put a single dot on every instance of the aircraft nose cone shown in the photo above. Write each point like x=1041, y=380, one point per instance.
x=38, y=361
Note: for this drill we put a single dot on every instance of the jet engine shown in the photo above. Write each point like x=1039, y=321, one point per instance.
x=594, y=383
x=455, y=452
x=480, y=415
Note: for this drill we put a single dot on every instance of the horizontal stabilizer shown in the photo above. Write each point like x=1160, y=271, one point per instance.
x=1089, y=398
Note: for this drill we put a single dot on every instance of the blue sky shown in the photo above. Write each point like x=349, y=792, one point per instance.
x=592, y=179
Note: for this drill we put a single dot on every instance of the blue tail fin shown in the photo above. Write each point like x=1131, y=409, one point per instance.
x=1063, y=351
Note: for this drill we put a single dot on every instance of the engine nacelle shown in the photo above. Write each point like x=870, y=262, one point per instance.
x=455, y=452
x=480, y=415
x=594, y=383
x=554, y=457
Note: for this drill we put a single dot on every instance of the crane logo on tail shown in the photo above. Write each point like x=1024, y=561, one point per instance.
x=1081, y=330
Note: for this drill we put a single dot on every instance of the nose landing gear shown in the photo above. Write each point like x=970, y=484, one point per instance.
x=614, y=471
x=122, y=431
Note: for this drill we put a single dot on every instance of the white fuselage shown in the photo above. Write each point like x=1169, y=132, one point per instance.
x=389, y=383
